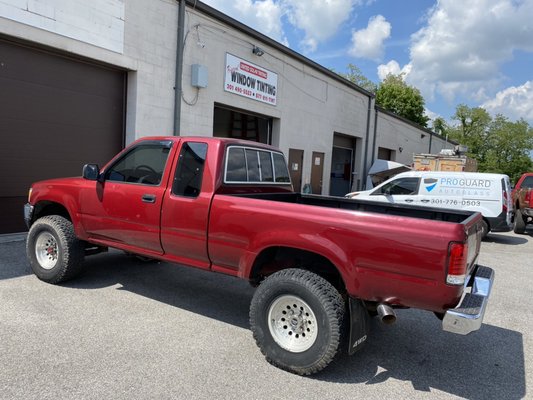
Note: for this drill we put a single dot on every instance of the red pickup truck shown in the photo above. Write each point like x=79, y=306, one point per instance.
x=522, y=196
x=322, y=264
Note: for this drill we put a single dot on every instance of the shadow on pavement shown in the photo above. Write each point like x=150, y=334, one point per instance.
x=213, y=295
x=13, y=263
x=485, y=364
x=505, y=239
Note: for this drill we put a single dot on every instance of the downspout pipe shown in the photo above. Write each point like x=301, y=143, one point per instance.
x=365, y=167
x=179, y=68
x=430, y=140
x=374, y=142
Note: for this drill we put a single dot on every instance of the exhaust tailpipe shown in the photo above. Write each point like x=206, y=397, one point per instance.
x=386, y=314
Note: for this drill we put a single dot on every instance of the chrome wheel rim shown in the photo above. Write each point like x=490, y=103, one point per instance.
x=46, y=250
x=292, y=323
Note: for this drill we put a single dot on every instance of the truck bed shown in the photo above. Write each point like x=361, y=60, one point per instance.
x=428, y=213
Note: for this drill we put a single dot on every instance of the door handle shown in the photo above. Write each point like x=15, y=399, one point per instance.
x=148, y=198
x=408, y=200
x=425, y=201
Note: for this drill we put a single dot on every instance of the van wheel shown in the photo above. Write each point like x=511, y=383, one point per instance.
x=484, y=229
x=54, y=251
x=296, y=319
x=519, y=223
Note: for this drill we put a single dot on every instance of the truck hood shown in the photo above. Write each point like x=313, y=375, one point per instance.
x=60, y=181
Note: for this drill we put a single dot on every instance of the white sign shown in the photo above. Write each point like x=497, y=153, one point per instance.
x=249, y=80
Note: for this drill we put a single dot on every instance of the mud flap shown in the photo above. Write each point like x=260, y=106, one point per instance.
x=359, y=324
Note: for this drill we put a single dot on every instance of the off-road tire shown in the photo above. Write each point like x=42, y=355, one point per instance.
x=55, y=253
x=314, y=296
x=519, y=223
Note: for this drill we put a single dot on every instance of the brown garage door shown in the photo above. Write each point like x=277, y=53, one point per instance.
x=56, y=114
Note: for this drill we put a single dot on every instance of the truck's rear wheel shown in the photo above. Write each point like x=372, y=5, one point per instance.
x=296, y=318
x=519, y=223
x=54, y=251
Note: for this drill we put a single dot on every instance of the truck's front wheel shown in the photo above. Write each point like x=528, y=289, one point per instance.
x=296, y=318
x=54, y=251
x=519, y=223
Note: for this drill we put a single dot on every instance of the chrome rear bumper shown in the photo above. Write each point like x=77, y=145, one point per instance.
x=468, y=316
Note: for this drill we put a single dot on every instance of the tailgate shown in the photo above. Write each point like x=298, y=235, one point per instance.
x=473, y=232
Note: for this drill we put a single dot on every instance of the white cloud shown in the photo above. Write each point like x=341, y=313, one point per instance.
x=513, y=102
x=462, y=47
x=392, y=67
x=262, y=15
x=368, y=42
x=319, y=19
x=431, y=115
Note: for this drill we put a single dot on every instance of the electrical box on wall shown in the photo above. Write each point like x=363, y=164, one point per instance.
x=199, y=76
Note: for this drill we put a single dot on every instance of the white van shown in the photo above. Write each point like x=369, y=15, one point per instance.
x=489, y=194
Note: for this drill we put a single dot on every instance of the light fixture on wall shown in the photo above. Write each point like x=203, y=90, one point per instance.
x=400, y=149
x=258, y=51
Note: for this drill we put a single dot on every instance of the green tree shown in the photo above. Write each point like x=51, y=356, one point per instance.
x=440, y=126
x=355, y=75
x=472, y=130
x=499, y=145
x=508, y=147
x=395, y=95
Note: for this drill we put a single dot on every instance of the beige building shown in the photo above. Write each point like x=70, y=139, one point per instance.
x=84, y=79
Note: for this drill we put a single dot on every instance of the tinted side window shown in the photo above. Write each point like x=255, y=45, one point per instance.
x=280, y=168
x=236, y=165
x=190, y=170
x=405, y=186
x=144, y=164
x=252, y=165
x=267, y=172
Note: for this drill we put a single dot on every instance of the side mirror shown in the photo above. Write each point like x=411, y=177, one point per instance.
x=91, y=172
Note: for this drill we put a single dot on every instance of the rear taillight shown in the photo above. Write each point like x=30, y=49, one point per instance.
x=458, y=259
x=527, y=196
x=505, y=201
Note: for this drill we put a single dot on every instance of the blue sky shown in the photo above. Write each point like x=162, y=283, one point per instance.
x=475, y=52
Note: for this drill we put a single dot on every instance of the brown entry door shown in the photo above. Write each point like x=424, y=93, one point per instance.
x=317, y=172
x=296, y=159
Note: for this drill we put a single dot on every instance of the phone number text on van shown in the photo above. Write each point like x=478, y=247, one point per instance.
x=455, y=202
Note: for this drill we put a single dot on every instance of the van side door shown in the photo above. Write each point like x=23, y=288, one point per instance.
x=398, y=191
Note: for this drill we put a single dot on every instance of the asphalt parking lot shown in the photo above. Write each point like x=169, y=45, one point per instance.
x=127, y=329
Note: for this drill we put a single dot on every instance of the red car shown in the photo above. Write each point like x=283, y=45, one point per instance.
x=523, y=201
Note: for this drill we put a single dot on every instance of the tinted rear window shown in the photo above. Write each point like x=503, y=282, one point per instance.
x=249, y=165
